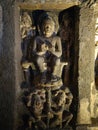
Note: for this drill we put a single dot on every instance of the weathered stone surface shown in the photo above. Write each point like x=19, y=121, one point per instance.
x=86, y=62
x=1, y=27
x=47, y=4
x=0, y=22
x=45, y=1
x=9, y=67
x=7, y=75
x=92, y=128
x=81, y=127
x=10, y=64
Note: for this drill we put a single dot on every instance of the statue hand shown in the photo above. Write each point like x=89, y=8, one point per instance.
x=50, y=115
x=44, y=47
x=26, y=65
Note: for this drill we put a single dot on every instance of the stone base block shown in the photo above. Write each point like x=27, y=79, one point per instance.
x=93, y=128
x=81, y=127
x=66, y=128
x=86, y=127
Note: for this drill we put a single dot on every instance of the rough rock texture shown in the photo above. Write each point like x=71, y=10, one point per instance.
x=1, y=27
x=48, y=1
x=7, y=71
x=9, y=66
x=86, y=63
x=94, y=88
x=10, y=70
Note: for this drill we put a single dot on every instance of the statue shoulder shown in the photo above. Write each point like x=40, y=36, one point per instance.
x=57, y=37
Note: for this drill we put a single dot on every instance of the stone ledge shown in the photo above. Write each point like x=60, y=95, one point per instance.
x=81, y=127
x=86, y=127
x=66, y=128
x=92, y=128
x=46, y=6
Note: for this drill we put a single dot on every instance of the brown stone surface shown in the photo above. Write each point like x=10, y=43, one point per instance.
x=10, y=62
x=92, y=128
x=48, y=1
x=86, y=61
x=81, y=127
x=7, y=71
x=47, y=6
x=1, y=27
x=9, y=68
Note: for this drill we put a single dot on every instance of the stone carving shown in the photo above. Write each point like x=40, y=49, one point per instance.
x=49, y=109
x=47, y=50
x=35, y=103
x=60, y=108
x=26, y=27
x=46, y=54
x=96, y=53
x=48, y=100
x=28, y=31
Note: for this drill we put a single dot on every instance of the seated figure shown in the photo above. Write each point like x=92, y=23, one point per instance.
x=35, y=104
x=46, y=53
x=47, y=50
x=60, y=108
x=47, y=101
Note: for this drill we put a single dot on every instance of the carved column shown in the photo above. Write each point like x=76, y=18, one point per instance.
x=86, y=64
x=7, y=73
x=9, y=65
x=1, y=26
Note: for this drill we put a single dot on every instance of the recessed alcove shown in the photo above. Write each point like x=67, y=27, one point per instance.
x=81, y=72
x=70, y=44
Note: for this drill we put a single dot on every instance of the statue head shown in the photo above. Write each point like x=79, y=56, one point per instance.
x=36, y=105
x=47, y=27
x=61, y=96
x=26, y=23
x=36, y=102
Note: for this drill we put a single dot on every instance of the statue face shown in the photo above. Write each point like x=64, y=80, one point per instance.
x=37, y=105
x=48, y=28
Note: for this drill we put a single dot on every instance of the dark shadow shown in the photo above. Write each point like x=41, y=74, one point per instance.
x=70, y=47
x=96, y=72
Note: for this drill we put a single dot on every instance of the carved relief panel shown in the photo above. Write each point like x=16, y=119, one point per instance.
x=47, y=40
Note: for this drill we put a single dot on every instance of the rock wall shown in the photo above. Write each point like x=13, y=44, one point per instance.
x=1, y=27
x=7, y=70
x=48, y=1
x=10, y=69
x=9, y=65
x=86, y=63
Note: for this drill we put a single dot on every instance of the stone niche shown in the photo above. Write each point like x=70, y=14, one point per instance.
x=64, y=100
x=50, y=84
x=76, y=72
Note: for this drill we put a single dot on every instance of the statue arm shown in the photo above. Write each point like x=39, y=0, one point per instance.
x=57, y=49
x=69, y=96
x=37, y=51
x=40, y=53
x=34, y=46
x=56, y=112
x=68, y=93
